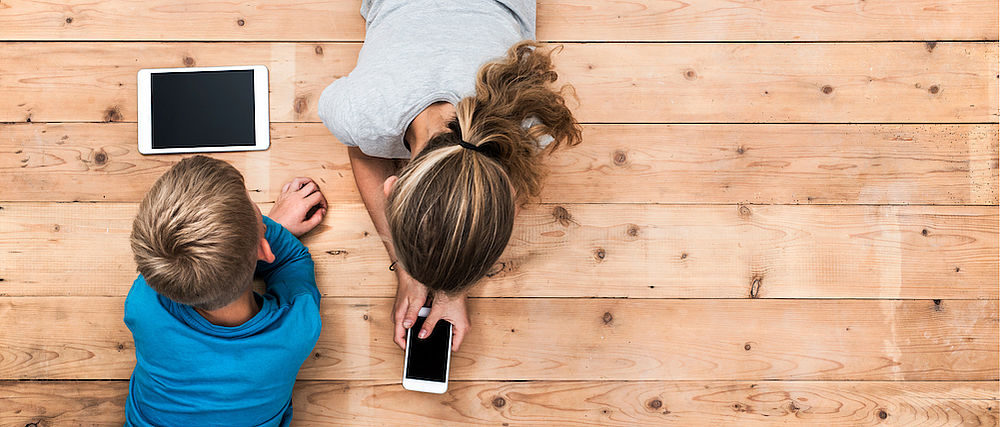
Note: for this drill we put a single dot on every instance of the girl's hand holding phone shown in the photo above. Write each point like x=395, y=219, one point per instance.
x=410, y=297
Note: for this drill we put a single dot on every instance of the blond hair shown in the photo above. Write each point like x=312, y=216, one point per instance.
x=451, y=212
x=196, y=233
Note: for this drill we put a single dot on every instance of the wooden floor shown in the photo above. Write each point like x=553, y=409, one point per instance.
x=784, y=212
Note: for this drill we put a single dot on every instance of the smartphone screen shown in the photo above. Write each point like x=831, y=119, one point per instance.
x=427, y=359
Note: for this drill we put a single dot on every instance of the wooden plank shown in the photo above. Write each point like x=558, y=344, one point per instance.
x=646, y=403
x=573, y=339
x=822, y=164
x=604, y=250
x=563, y=20
x=621, y=83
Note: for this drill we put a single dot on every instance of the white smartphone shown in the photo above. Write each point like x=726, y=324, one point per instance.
x=427, y=361
x=201, y=109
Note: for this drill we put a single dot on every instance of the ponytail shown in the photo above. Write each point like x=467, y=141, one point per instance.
x=451, y=212
x=509, y=92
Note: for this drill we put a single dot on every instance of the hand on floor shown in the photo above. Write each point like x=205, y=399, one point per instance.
x=298, y=197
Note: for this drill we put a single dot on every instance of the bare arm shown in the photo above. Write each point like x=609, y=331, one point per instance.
x=369, y=174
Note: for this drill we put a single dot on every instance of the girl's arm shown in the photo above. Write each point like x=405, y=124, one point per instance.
x=370, y=174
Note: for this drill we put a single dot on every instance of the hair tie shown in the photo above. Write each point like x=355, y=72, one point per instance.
x=487, y=149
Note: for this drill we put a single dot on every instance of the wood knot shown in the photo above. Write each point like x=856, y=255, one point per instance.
x=336, y=252
x=69, y=20
x=755, y=285
x=318, y=50
x=55, y=228
x=121, y=347
x=300, y=105
x=317, y=355
x=562, y=216
x=739, y=407
x=599, y=254
x=934, y=89
x=882, y=414
x=607, y=318
x=499, y=402
x=364, y=316
x=497, y=269
x=745, y=212
x=188, y=61
x=740, y=150
x=100, y=158
x=924, y=232
x=655, y=404
x=747, y=347
x=690, y=74
x=113, y=114
x=632, y=230
x=620, y=158
x=827, y=89
x=684, y=255
x=241, y=22
x=930, y=46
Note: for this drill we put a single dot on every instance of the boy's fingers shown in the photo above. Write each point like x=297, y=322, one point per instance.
x=285, y=187
x=315, y=199
x=316, y=218
x=308, y=188
x=297, y=183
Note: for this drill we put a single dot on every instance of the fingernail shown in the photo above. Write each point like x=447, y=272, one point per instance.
x=407, y=324
x=423, y=334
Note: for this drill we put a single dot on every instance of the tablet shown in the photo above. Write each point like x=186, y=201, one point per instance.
x=200, y=109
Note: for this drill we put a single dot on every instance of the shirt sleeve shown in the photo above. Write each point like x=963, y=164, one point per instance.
x=292, y=272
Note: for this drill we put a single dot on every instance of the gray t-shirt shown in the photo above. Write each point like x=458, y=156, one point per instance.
x=416, y=53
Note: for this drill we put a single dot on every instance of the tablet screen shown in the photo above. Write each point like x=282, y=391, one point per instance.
x=202, y=109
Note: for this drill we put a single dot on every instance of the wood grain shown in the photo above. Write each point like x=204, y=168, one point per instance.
x=573, y=339
x=605, y=250
x=563, y=20
x=546, y=403
x=813, y=164
x=619, y=83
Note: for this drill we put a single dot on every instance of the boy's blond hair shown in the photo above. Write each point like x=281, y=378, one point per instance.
x=196, y=234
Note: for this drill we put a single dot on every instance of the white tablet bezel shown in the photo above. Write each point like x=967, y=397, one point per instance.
x=262, y=129
x=424, y=385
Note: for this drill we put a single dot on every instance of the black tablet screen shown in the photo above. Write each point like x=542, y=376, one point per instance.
x=428, y=358
x=202, y=109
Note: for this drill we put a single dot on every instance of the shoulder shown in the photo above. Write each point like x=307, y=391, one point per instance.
x=334, y=109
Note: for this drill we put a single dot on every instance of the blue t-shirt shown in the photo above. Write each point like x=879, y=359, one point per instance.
x=191, y=372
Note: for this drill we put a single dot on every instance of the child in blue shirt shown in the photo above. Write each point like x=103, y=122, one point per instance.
x=209, y=350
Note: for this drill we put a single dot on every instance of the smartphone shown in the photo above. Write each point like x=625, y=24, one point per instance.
x=427, y=361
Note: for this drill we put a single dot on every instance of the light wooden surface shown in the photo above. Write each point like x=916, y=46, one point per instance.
x=584, y=339
x=563, y=20
x=616, y=82
x=583, y=250
x=797, y=164
x=791, y=221
x=591, y=403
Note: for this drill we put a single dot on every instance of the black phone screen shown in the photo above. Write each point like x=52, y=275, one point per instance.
x=202, y=109
x=427, y=359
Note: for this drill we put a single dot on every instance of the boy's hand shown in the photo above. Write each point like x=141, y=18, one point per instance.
x=297, y=198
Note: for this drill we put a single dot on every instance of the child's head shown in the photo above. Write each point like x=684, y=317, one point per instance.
x=451, y=210
x=196, y=235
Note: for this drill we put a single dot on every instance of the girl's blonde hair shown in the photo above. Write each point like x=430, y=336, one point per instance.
x=452, y=210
